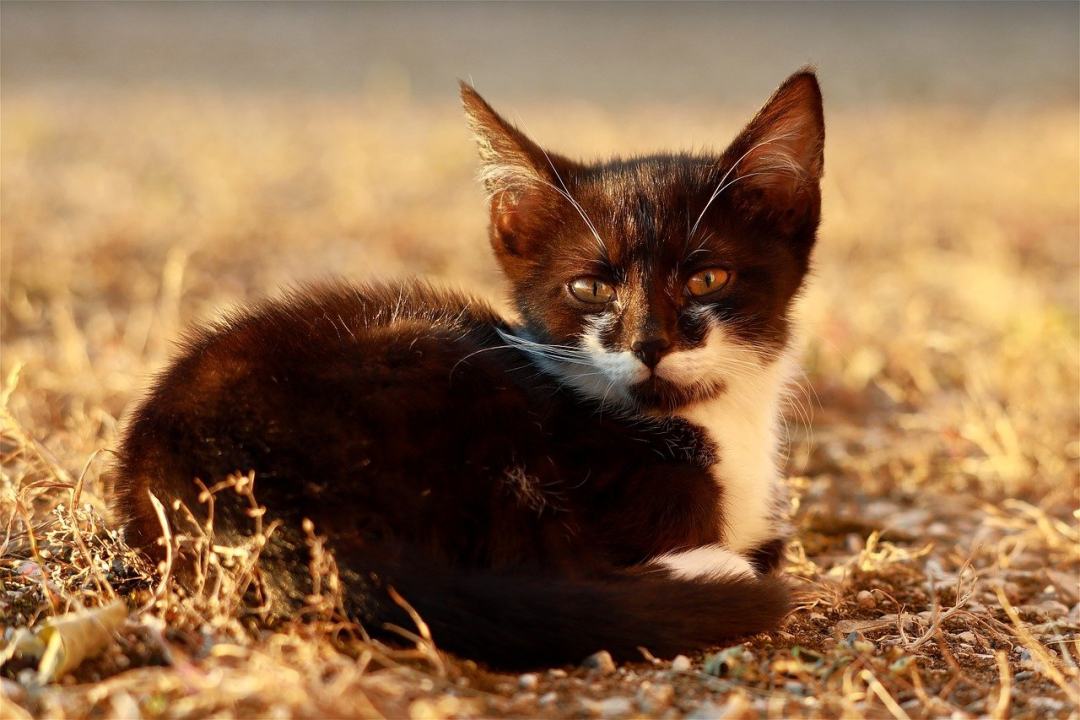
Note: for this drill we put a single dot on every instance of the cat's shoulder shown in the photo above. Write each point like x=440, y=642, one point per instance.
x=337, y=311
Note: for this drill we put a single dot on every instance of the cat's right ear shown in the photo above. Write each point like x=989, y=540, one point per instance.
x=517, y=175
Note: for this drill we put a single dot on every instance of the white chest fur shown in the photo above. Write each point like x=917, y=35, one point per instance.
x=744, y=424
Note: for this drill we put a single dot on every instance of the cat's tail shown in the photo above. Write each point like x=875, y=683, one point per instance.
x=518, y=620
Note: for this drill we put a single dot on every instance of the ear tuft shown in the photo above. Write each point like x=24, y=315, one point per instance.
x=781, y=151
x=510, y=161
x=519, y=178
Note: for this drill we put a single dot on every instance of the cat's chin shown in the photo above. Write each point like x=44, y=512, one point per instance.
x=659, y=396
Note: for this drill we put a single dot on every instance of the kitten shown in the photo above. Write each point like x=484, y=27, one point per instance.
x=600, y=475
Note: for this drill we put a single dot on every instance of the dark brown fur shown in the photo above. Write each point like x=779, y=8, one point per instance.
x=514, y=515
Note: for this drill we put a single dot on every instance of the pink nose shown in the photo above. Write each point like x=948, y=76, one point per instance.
x=650, y=351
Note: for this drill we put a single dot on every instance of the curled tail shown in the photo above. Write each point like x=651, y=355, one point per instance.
x=516, y=620
x=528, y=619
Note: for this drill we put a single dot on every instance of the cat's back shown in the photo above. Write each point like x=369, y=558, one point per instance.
x=305, y=388
x=332, y=320
x=319, y=346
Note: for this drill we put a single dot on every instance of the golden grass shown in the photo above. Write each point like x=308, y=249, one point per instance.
x=936, y=495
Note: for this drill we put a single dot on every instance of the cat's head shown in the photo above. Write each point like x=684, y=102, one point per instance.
x=656, y=282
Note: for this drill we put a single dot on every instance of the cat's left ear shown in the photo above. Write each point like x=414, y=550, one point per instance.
x=781, y=151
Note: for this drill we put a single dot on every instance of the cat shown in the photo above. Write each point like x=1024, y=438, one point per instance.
x=599, y=474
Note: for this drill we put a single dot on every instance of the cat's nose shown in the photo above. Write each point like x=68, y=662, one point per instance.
x=650, y=351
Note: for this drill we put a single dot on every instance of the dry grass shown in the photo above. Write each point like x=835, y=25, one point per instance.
x=936, y=496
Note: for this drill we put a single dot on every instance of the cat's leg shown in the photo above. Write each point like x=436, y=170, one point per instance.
x=652, y=509
x=767, y=556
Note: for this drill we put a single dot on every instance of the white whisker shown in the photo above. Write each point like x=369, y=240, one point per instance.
x=565, y=192
x=720, y=186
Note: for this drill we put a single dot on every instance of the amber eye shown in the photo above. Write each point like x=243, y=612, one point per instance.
x=707, y=282
x=592, y=290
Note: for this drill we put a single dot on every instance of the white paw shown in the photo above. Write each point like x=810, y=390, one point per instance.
x=708, y=561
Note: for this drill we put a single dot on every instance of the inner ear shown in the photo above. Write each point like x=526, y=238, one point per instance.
x=518, y=219
x=781, y=151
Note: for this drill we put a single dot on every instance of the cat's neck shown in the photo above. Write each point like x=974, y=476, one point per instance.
x=744, y=421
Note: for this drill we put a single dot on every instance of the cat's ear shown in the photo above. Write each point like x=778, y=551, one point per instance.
x=517, y=174
x=510, y=160
x=781, y=151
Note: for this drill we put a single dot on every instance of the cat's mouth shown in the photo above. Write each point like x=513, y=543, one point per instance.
x=657, y=394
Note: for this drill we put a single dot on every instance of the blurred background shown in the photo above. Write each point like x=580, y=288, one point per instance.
x=161, y=162
x=603, y=54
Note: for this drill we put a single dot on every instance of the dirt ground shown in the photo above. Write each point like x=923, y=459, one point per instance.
x=933, y=443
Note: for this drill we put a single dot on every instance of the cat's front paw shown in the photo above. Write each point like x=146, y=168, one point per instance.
x=687, y=442
x=710, y=562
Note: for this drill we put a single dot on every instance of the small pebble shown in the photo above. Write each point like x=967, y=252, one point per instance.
x=708, y=710
x=681, y=663
x=549, y=698
x=863, y=646
x=528, y=681
x=601, y=662
x=423, y=709
x=938, y=529
x=557, y=673
x=866, y=599
x=612, y=707
x=654, y=698
x=12, y=690
x=521, y=703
